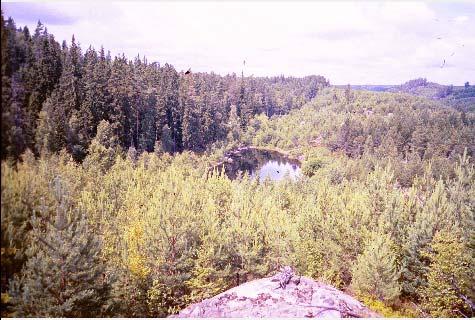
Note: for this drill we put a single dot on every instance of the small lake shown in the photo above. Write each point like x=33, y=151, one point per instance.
x=263, y=164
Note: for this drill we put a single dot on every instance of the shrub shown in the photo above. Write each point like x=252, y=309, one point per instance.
x=311, y=166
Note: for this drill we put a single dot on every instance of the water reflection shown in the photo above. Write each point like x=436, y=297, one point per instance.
x=262, y=164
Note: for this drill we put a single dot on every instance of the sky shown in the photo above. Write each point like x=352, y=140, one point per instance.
x=346, y=42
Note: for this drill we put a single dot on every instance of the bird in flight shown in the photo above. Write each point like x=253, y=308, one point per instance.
x=188, y=71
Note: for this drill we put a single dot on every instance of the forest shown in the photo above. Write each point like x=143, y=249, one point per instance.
x=55, y=96
x=112, y=206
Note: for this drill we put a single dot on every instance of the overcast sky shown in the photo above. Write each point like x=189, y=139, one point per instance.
x=347, y=42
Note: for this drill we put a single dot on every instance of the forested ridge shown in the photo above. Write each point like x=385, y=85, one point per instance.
x=109, y=206
x=54, y=97
x=461, y=98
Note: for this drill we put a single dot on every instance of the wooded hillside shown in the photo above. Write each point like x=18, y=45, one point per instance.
x=109, y=207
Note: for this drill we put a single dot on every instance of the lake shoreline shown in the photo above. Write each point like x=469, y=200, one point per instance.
x=251, y=158
x=239, y=150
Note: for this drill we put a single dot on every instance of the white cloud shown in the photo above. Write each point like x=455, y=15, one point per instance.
x=461, y=19
x=348, y=42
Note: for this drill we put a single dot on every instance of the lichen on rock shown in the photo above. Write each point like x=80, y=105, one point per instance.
x=283, y=295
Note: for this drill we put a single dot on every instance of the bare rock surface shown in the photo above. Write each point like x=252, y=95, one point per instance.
x=273, y=297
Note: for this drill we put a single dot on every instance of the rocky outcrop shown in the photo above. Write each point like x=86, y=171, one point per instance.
x=279, y=296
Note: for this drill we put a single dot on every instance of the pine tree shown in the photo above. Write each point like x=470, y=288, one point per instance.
x=348, y=95
x=450, y=287
x=375, y=272
x=420, y=137
x=104, y=148
x=66, y=276
x=207, y=281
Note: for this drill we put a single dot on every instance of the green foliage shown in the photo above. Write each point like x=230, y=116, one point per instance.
x=55, y=97
x=207, y=279
x=311, y=166
x=172, y=235
x=234, y=125
x=388, y=311
x=64, y=277
x=450, y=286
x=384, y=173
x=166, y=143
x=375, y=272
x=104, y=148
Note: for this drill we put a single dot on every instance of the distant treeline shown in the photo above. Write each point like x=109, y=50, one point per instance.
x=461, y=98
x=54, y=96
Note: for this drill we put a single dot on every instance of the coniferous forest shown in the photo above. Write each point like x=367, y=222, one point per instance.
x=112, y=204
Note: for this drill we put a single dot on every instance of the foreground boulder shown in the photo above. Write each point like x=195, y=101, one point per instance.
x=283, y=295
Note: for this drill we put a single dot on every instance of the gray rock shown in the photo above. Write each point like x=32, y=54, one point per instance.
x=267, y=298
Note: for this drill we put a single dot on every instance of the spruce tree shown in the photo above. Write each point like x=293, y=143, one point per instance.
x=42, y=76
x=53, y=125
x=120, y=89
x=148, y=129
x=71, y=92
x=173, y=107
x=190, y=105
x=166, y=141
x=65, y=276
x=16, y=54
x=15, y=119
x=234, y=129
x=84, y=122
x=102, y=97
x=6, y=83
x=138, y=99
x=59, y=119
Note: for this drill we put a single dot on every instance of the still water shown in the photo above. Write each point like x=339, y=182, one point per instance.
x=263, y=165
